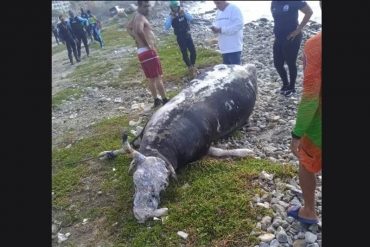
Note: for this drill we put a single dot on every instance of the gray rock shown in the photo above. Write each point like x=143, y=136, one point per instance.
x=266, y=220
x=276, y=223
x=301, y=235
x=270, y=229
x=284, y=204
x=274, y=243
x=281, y=235
x=263, y=244
x=285, y=224
x=313, y=245
x=289, y=219
x=279, y=209
x=299, y=243
x=295, y=201
x=313, y=228
x=310, y=237
x=267, y=237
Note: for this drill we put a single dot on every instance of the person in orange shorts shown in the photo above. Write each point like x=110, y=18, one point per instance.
x=306, y=135
x=141, y=31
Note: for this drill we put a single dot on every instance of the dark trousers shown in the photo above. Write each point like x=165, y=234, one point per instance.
x=287, y=51
x=186, y=43
x=56, y=37
x=82, y=37
x=71, y=47
x=232, y=58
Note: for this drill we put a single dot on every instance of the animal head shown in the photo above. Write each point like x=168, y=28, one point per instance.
x=150, y=176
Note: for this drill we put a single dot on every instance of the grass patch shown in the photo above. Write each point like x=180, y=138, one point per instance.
x=65, y=180
x=114, y=35
x=58, y=48
x=214, y=209
x=92, y=69
x=65, y=94
x=173, y=93
x=107, y=136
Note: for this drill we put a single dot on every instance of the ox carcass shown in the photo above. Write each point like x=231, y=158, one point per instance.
x=216, y=103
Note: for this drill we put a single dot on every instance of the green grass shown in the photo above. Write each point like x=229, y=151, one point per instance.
x=58, y=48
x=108, y=134
x=65, y=94
x=214, y=209
x=114, y=35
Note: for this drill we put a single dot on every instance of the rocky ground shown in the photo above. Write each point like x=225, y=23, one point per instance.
x=267, y=134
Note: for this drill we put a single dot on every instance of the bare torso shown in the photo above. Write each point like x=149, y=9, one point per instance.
x=140, y=29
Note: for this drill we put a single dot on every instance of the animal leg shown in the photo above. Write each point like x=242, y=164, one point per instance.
x=111, y=154
x=219, y=152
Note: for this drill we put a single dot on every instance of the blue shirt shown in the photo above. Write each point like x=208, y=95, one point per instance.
x=285, y=14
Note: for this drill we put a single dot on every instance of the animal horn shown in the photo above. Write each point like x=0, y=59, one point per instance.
x=137, y=156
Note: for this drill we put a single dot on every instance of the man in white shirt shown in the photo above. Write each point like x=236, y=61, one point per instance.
x=229, y=27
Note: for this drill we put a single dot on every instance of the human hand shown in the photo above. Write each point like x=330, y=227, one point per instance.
x=293, y=34
x=294, y=146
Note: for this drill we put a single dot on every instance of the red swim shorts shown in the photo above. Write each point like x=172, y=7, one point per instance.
x=150, y=64
x=309, y=155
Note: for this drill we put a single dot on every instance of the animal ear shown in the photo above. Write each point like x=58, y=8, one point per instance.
x=137, y=159
x=132, y=167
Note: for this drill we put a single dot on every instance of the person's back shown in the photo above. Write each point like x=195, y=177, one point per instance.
x=139, y=27
x=76, y=25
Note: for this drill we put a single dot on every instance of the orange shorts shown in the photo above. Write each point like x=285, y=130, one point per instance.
x=309, y=155
x=150, y=63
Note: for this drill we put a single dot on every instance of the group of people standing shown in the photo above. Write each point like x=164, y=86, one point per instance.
x=75, y=30
x=228, y=26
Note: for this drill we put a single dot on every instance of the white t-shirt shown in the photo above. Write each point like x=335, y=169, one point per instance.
x=230, y=20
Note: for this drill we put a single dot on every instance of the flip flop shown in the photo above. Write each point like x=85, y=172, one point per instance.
x=293, y=212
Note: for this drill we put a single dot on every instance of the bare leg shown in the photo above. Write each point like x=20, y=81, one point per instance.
x=160, y=87
x=151, y=86
x=307, y=181
x=218, y=152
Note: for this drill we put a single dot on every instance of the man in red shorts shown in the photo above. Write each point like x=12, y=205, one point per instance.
x=306, y=141
x=140, y=29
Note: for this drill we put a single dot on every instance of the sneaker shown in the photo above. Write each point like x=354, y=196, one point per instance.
x=157, y=102
x=289, y=92
x=164, y=101
x=283, y=89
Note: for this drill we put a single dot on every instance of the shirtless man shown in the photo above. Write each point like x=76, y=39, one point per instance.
x=140, y=29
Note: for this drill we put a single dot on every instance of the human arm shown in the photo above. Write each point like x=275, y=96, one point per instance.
x=168, y=23
x=188, y=16
x=311, y=96
x=84, y=21
x=143, y=31
x=236, y=20
x=307, y=11
x=294, y=146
